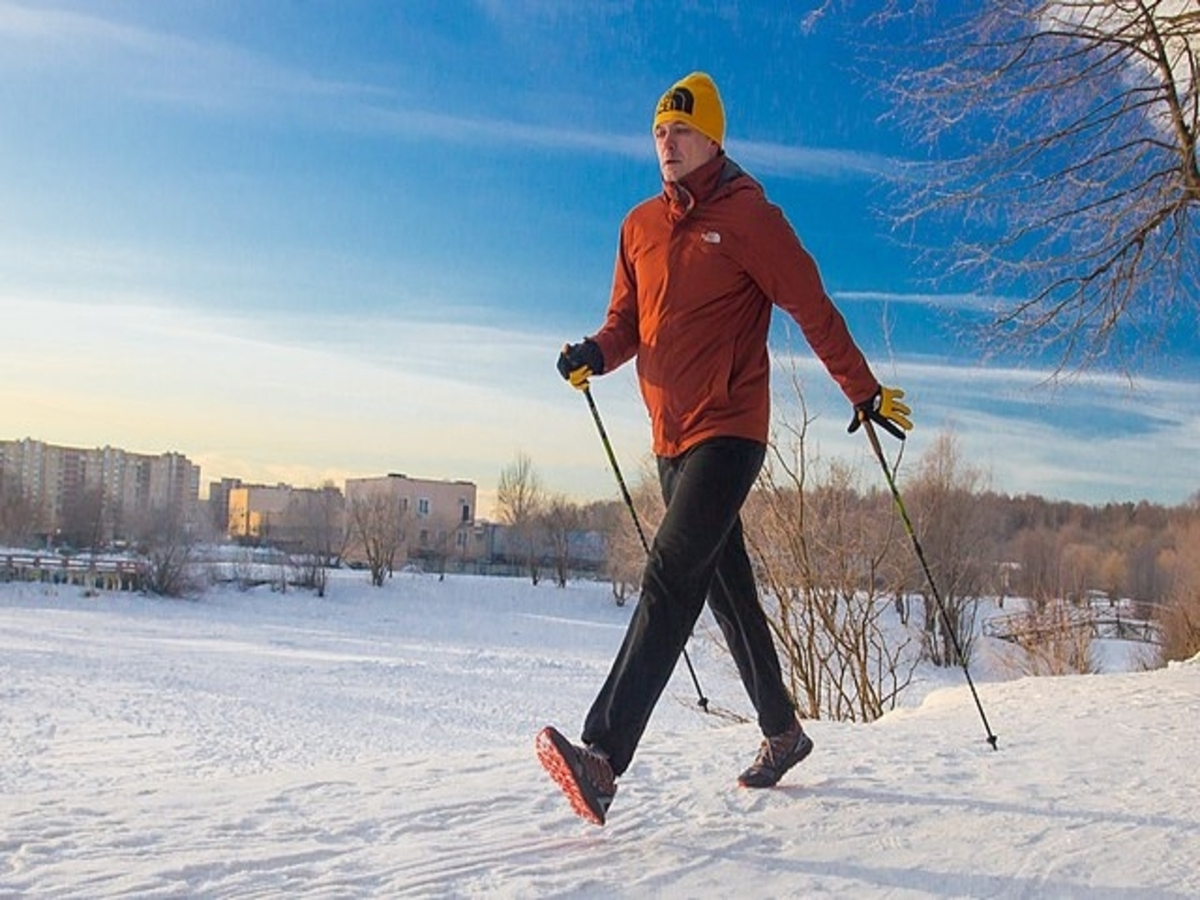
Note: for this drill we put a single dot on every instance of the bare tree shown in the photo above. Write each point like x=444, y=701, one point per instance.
x=1074, y=184
x=166, y=541
x=1036, y=555
x=436, y=542
x=377, y=530
x=314, y=524
x=1079, y=568
x=626, y=554
x=18, y=515
x=954, y=535
x=84, y=516
x=561, y=518
x=519, y=502
x=603, y=517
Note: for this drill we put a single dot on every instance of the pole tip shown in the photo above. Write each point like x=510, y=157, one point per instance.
x=991, y=739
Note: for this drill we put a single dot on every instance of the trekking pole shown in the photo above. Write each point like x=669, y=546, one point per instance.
x=637, y=524
x=908, y=526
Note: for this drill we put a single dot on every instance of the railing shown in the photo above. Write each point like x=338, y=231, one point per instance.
x=94, y=572
x=1100, y=622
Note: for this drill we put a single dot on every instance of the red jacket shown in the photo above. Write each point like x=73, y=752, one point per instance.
x=697, y=272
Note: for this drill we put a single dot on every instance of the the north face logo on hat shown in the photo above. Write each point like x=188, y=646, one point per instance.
x=694, y=101
x=678, y=100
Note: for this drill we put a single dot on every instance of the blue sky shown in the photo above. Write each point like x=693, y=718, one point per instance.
x=311, y=240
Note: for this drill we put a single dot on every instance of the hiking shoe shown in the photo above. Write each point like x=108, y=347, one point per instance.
x=584, y=774
x=775, y=757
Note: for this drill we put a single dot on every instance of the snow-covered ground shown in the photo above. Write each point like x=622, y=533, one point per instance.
x=379, y=743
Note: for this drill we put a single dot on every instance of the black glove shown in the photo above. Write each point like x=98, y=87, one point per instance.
x=579, y=362
x=884, y=409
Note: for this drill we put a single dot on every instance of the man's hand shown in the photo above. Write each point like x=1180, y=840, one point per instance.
x=579, y=362
x=884, y=409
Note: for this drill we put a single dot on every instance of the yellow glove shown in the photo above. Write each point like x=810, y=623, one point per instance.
x=577, y=363
x=884, y=409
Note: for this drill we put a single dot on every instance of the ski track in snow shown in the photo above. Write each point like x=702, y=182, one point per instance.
x=379, y=743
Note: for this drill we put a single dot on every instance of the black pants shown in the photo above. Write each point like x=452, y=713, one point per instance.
x=698, y=553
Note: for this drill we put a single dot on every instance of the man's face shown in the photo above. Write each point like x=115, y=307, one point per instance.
x=681, y=150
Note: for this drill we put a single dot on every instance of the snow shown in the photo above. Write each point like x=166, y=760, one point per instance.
x=379, y=743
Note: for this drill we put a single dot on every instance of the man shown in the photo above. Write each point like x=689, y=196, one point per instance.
x=698, y=270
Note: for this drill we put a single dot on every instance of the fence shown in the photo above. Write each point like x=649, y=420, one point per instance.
x=93, y=572
x=1100, y=621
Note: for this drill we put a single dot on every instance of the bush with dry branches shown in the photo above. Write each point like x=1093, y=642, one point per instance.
x=377, y=530
x=1179, y=617
x=821, y=550
x=1051, y=641
x=626, y=555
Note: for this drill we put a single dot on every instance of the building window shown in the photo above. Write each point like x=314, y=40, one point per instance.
x=423, y=506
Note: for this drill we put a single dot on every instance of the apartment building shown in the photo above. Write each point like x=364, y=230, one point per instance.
x=92, y=496
x=306, y=520
x=433, y=518
x=424, y=518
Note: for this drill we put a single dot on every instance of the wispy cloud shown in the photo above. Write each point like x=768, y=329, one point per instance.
x=213, y=75
x=1088, y=441
x=271, y=396
x=765, y=158
x=452, y=129
x=265, y=395
x=63, y=27
x=184, y=319
x=157, y=65
x=809, y=162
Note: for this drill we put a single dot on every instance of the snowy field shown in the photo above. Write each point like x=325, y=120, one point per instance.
x=379, y=743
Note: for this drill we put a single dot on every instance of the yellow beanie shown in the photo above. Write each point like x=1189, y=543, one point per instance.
x=694, y=100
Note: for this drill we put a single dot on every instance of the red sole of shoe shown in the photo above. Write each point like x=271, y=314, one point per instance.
x=550, y=755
